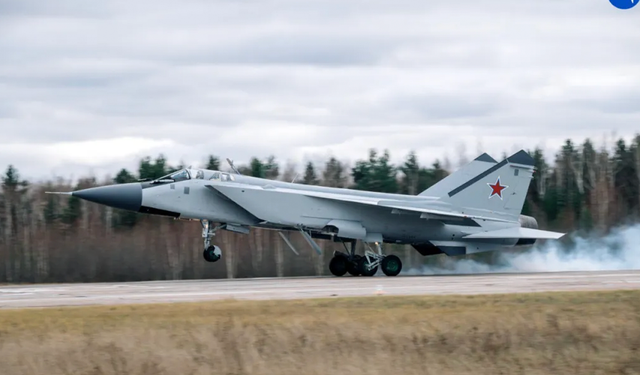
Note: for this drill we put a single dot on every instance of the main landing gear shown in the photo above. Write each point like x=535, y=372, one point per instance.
x=211, y=252
x=366, y=265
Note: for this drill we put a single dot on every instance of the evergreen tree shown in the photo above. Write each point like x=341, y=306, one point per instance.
x=213, y=163
x=72, y=211
x=124, y=177
x=588, y=168
x=411, y=178
x=635, y=154
x=14, y=193
x=123, y=218
x=50, y=210
x=625, y=179
x=310, y=177
x=375, y=174
x=11, y=181
x=569, y=190
x=438, y=172
x=416, y=179
x=540, y=175
x=154, y=169
x=256, y=168
x=589, y=181
x=271, y=168
x=14, y=189
x=334, y=174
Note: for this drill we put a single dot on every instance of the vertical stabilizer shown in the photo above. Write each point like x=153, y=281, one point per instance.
x=468, y=171
x=501, y=188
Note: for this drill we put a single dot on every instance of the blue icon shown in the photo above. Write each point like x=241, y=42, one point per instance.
x=624, y=4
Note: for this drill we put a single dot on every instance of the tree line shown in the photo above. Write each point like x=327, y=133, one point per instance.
x=52, y=238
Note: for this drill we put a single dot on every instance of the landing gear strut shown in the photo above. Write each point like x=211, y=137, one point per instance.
x=366, y=265
x=211, y=252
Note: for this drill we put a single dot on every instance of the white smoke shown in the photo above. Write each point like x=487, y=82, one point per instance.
x=618, y=250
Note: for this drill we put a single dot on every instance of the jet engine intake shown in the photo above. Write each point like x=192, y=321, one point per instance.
x=346, y=229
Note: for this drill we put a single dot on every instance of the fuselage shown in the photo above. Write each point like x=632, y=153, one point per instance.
x=475, y=209
x=190, y=198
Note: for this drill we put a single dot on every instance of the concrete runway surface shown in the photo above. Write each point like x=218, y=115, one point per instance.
x=49, y=295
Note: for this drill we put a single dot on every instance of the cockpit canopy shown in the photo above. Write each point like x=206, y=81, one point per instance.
x=198, y=174
x=180, y=175
x=222, y=176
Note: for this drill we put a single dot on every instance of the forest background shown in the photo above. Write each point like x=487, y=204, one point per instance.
x=47, y=238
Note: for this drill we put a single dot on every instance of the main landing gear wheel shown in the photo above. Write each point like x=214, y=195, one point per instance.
x=365, y=268
x=212, y=254
x=367, y=265
x=391, y=265
x=352, y=267
x=341, y=263
x=338, y=265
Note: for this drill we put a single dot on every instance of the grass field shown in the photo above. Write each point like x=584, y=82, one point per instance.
x=546, y=333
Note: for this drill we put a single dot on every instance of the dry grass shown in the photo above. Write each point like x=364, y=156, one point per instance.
x=551, y=333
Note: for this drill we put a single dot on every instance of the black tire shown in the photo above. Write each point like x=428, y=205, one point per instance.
x=338, y=266
x=353, y=268
x=362, y=262
x=210, y=255
x=391, y=265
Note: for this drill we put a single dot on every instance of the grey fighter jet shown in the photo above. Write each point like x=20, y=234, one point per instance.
x=475, y=209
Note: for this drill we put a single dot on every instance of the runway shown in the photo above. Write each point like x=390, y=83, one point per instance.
x=50, y=295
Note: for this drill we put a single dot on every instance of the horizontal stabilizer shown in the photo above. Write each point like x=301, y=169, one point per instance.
x=516, y=232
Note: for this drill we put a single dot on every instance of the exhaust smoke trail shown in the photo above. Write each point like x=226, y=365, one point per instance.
x=618, y=250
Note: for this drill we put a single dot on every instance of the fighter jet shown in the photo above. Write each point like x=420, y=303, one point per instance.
x=475, y=209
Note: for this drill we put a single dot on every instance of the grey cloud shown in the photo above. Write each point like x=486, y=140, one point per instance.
x=623, y=101
x=428, y=107
x=304, y=79
x=60, y=8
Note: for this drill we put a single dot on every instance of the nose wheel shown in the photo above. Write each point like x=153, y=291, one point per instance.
x=211, y=252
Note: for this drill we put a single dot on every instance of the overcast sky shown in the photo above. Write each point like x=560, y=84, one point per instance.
x=89, y=87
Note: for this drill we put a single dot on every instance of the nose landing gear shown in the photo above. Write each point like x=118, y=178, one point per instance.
x=211, y=252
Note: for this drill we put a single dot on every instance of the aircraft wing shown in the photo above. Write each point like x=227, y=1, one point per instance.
x=231, y=189
x=516, y=232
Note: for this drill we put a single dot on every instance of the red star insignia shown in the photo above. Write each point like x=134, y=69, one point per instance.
x=496, y=189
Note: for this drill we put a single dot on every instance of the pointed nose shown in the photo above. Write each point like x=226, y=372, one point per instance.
x=124, y=196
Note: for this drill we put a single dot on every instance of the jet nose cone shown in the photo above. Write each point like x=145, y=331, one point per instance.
x=124, y=196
